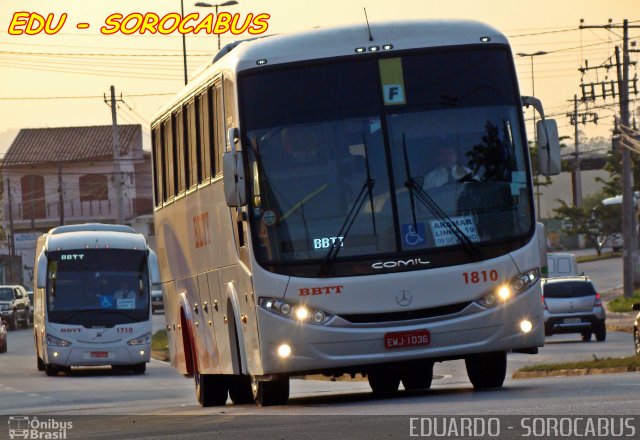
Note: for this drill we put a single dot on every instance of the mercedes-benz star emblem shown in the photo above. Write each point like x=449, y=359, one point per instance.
x=404, y=298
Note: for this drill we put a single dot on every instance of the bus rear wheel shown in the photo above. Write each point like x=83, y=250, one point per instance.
x=270, y=392
x=418, y=377
x=211, y=389
x=240, y=390
x=487, y=370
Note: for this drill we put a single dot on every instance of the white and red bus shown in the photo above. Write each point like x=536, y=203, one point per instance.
x=92, y=298
x=300, y=228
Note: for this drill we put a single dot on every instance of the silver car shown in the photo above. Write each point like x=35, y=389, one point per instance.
x=572, y=305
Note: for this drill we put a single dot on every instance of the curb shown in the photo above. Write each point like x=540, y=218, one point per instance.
x=573, y=372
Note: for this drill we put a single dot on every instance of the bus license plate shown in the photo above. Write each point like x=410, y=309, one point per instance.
x=99, y=354
x=407, y=339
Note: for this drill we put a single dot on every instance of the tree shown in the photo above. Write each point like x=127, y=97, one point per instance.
x=593, y=219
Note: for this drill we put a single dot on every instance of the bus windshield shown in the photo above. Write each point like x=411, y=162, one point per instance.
x=376, y=157
x=97, y=287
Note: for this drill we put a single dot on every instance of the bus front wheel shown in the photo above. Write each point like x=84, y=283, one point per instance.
x=211, y=389
x=383, y=382
x=418, y=377
x=271, y=392
x=487, y=370
x=51, y=370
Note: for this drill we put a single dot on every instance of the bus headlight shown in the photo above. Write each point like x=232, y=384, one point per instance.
x=297, y=312
x=57, y=342
x=141, y=340
x=508, y=290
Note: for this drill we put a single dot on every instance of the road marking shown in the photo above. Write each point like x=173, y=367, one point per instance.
x=33, y=395
x=9, y=388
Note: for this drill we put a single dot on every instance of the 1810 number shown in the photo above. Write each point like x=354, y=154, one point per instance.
x=480, y=277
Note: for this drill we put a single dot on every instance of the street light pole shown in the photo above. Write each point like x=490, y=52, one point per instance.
x=535, y=135
x=184, y=46
x=216, y=6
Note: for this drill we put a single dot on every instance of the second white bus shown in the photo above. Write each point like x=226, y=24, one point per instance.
x=92, y=299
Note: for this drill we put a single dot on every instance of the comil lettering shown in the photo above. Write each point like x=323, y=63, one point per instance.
x=400, y=263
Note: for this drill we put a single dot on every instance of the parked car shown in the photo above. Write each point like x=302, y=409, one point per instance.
x=14, y=306
x=572, y=305
x=3, y=336
x=157, y=303
x=31, y=303
x=560, y=264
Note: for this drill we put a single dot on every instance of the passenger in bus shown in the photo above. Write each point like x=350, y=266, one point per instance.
x=125, y=290
x=448, y=170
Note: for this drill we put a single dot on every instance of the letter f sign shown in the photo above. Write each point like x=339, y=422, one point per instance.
x=393, y=94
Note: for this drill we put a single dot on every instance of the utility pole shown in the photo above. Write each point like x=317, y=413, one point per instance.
x=12, y=241
x=60, y=196
x=629, y=255
x=576, y=176
x=117, y=174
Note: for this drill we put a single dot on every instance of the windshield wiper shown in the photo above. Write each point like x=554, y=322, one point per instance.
x=367, y=189
x=416, y=191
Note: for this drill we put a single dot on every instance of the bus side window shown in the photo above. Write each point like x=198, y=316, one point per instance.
x=205, y=133
x=156, y=140
x=193, y=146
x=169, y=166
x=218, y=117
x=179, y=149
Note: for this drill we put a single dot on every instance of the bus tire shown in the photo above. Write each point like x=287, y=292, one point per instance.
x=270, y=392
x=139, y=368
x=51, y=370
x=383, y=382
x=211, y=389
x=487, y=370
x=418, y=377
x=240, y=389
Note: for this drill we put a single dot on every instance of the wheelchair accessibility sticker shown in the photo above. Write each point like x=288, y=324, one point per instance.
x=413, y=235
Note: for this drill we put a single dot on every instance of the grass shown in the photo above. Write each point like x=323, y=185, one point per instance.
x=622, y=304
x=603, y=256
x=159, y=341
x=625, y=362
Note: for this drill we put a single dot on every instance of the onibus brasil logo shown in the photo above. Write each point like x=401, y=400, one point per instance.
x=32, y=428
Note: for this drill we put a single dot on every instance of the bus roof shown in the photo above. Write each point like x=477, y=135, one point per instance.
x=342, y=41
x=92, y=227
x=94, y=236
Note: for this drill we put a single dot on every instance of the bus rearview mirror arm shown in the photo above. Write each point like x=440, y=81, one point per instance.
x=548, y=139
x=233, y=171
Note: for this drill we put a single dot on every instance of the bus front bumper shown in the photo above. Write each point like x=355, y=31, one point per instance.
x=317, y=348
x=100, y=354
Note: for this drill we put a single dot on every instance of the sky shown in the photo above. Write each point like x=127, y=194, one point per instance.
x=61, y=79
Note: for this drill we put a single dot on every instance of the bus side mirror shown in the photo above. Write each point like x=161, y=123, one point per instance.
x=548, y=147
x=154, y=270
x=41, y=267
x=233, y=178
